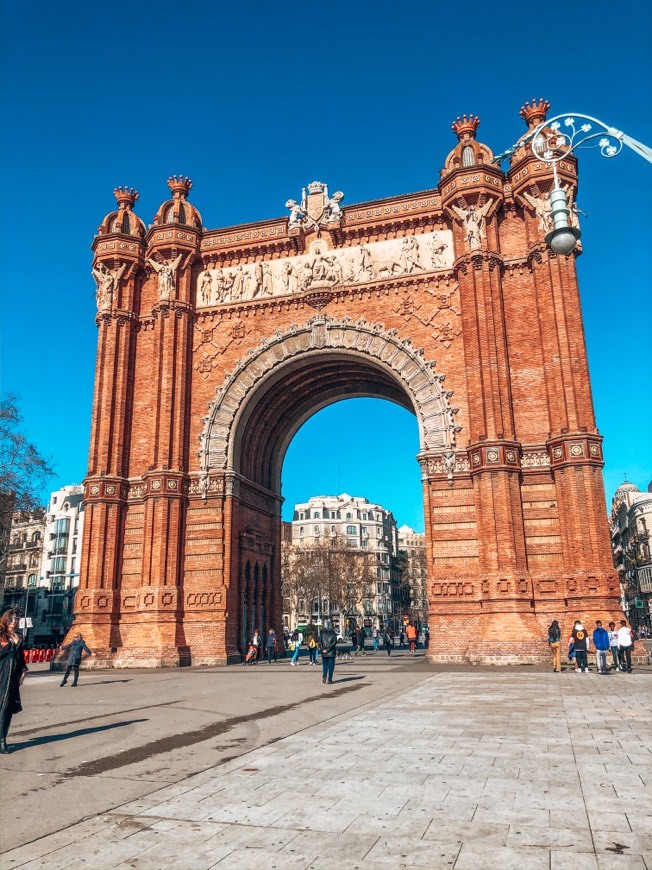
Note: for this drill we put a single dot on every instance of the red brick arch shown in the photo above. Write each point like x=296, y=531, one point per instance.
x=286, y=379
x=214, y=347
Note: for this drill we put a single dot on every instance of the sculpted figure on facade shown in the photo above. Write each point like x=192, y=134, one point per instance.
x=106, y=281
x=317, y=208
x=473, y=219
x=437, y=250
x=574, y=211
x=166, y=275
x=410, y=255
x=206, y=287
x=296, y=214
x=541, y=207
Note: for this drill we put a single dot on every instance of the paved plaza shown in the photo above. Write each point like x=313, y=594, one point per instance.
x=397, y=764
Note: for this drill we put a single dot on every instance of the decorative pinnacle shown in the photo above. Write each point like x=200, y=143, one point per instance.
x=534, y=113
x=179, y=186
x=465, y=128
x=126, y=197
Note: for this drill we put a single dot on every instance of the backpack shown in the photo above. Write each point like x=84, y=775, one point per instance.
x=553, y=635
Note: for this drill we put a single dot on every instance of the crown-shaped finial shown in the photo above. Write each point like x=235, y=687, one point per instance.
x=465, y=128
x=179, y=186
x=126, y=196
x=535, y=113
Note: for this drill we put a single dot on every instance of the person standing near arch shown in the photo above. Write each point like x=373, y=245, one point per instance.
x=328, y=649
x=77, y=647
x=554, y=641
x=625, y=644
x=412, y=636
x=580, y=638
x=12, y=674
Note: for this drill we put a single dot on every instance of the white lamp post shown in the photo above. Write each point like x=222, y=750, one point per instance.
x=551, y=143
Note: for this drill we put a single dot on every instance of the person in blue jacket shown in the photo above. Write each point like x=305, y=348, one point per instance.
x=76, y=647
x=601, y=643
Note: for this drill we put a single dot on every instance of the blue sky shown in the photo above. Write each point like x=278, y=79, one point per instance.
x=254, y=100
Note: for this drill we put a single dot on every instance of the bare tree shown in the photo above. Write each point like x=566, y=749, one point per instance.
x=337, y=575
x=23, y=471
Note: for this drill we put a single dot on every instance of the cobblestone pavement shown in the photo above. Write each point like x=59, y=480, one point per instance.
x=466, y=770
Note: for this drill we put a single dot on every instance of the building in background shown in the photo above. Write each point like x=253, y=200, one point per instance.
x=630, y=521
x=59, y=567
x=20, y=586
x=344, y=522
x=412, y=547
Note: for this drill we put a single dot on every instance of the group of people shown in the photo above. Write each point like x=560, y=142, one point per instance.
x=617, y=641
x=13, y=668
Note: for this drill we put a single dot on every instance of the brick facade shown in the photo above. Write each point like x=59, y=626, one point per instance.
x=215, y=346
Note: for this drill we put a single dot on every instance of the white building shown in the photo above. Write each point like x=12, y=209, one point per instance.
x=59, y=572
x=348, y=521
x=630, y=521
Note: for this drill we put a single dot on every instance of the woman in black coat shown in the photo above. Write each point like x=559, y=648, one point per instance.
x=12, y=674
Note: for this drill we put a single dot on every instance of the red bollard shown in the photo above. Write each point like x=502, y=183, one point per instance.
x=33, y=657
x=41, y=655
x=48, y=654
x=26, y=656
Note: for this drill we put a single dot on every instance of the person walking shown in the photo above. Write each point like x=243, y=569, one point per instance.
x=554, y=641
x=625, y=644
x=297, y=640
x=375, y=637
x=601, y=644
x=580, y=639
x=77, y=647
x=362, y=636
x=256, y=643
x=613, y=645
x=12, y=674
x=388, y=640
x=328, y=649
x=412, y=636
x=354, y=641
x=312, y=650
x=271, y=646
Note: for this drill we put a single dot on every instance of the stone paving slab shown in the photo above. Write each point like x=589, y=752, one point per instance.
x=462, y=771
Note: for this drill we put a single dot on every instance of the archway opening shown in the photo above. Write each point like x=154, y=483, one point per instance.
x=353, y=544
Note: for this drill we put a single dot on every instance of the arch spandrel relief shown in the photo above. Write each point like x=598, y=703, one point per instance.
x=324, y=268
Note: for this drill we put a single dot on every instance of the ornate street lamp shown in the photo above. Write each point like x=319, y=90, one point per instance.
x=551, y=142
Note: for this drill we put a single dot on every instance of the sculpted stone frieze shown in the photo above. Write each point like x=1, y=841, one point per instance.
x=324, y=268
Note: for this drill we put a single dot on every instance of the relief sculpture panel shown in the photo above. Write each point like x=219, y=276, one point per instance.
x=327, y=268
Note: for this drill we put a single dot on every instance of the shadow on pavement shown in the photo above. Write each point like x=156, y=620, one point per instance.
x=54, y=738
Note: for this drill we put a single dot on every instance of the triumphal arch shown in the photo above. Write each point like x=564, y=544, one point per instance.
x=216, y=345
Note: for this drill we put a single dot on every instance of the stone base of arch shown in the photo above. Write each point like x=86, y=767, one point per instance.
x=511, y=632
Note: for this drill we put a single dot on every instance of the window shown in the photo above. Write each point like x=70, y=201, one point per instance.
x=316, y=530
x=31, y=580
x=61, y=526
x=349, y=517
x=315, y=515
x=365, y=543
x=36, y=537
x=364, y=516
x=468, y=158
x=300, y=530
x=363, y=529
x=58, y=565
x=351, y=530
x=333, y=530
